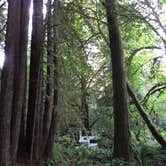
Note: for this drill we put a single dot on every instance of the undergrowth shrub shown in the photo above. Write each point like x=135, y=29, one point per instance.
x=79, y=155
x=68, y=153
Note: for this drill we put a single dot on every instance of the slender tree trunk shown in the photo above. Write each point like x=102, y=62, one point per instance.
x=122, y=147
x=33, y=114
x=84, y=106
x=52, y=130
x=50, y=75
x=150, y=125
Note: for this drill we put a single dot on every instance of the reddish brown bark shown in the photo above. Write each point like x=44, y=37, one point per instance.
x=13, y=80
x=20, y=77
x=7, y=83
x=33, y=115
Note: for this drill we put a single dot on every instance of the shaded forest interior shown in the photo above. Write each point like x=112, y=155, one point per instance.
x=82, y=82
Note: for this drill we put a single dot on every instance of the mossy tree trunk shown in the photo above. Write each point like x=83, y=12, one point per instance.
x=52, y=115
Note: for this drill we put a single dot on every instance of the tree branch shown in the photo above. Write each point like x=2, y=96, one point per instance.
x=145, y=117
x=134, y=52
x=154, y=89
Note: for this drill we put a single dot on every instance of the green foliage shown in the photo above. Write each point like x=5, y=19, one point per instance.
x=153, y=154
x=67, y=152
x=123, y=163
x=79, y=155
x=104, y=120
x=83, y=26
x=66, y=141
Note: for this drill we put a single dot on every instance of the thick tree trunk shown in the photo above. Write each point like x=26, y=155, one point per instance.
x=22, y=136
x=122, y=147
x=150, y=125
x=13, y=80
x=0, y=79
x=33, y=114
x=20, y=76
x=6, y=96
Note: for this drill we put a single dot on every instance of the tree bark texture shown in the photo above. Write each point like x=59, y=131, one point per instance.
x=6, y=97
x=84, y=106
x=13, y=85
x=13, y=80
x=33, y=115
x=122, y=148
x=20, y=77
x=54, y=113
x=49, y=105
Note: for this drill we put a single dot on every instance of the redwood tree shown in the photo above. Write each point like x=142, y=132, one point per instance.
x=54, y=62
x=50, y=74
x=13, y=80
x=34, y=113
x=13, y=118
x=122, y=147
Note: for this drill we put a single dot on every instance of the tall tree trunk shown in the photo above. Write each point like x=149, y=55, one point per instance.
x=33, y=114
x=6, y=96
x=50, y=75
x=52, y=130
x=14, y=71
x=20, y=76
x=11, y=99
x=0, y=79
x=141, y=111
x=122, y=148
